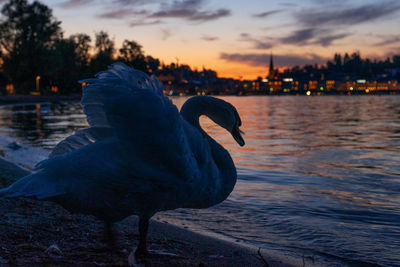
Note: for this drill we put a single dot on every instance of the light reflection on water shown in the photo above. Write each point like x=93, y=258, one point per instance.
x=319, y=176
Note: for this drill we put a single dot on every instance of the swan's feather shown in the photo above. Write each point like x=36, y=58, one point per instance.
x=81, y=138
x=35, y=185
x=118, y=80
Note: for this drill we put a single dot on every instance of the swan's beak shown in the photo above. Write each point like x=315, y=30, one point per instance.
x=236, y=133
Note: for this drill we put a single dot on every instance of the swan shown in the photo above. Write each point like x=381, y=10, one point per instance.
x=139, y=155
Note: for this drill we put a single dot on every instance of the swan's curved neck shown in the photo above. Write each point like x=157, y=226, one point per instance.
x=191, y=112
x=195, y=107
x=208, y=106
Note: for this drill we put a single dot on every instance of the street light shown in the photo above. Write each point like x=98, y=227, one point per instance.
x=37, y=83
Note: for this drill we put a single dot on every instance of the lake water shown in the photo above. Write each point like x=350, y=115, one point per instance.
x=319, y=177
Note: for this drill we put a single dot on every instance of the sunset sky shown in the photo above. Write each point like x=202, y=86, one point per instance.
x=234, y=37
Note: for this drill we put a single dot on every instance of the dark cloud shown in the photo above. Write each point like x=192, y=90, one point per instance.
x=190, y=10
x=280, y=60
x=144, y=23
x=185, y=9
x=266, y=14
x=302, y=37
x=329, y=2
x=209, y=38
x=120, y=13
x=179, y=13
x=329, y=39
x=299, y=37
x=137, y=2
x=264, y=43
x=313, y=36
x=210, y=15
x=75, y=3
x=347, y=15
x=389, y=40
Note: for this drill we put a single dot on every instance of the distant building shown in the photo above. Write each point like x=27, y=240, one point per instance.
x=274, y=84
x=330, y=85
x=272, y=71
x=289, y=85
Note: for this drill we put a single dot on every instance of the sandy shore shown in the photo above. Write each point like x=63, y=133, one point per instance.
x=35, y=233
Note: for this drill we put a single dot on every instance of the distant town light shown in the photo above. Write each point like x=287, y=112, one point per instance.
x=321, y=88
x=287, y=80
x=351, y=88
x=361, y=81
x=37, y=82
x=264, y=80
x=367, y=91
x=10, y=89
x=308, y=93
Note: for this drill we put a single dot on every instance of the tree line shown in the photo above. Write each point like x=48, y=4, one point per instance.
x=32, y=44
x=348, y=67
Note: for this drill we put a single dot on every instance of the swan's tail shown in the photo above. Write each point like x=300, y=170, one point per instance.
x=4, y=192
x=35, y=185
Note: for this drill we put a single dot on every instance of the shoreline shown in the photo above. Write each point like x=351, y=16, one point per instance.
x=38, y=233
x=17, y=99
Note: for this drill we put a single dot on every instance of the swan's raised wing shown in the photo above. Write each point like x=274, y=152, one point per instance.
x=119, y=80
x=80, y=139
x=146, y=123
x=127, y=104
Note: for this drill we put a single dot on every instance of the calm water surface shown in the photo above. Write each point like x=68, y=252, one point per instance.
x=319, y=177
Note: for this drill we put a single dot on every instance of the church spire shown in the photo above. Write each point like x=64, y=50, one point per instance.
x=271, y=74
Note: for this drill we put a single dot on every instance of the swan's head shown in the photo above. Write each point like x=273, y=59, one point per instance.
x=221, y=112
x=226, y=115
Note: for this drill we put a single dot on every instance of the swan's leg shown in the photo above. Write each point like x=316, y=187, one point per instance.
x=142, y=254
x=109, y=234
x=141, y=250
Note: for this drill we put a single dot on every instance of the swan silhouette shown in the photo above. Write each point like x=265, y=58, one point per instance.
x=139, y=156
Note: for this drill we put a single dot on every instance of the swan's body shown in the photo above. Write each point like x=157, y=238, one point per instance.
x=139, y=156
